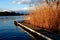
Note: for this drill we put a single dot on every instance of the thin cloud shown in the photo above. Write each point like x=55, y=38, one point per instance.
x=19, y=2
x=14, y=2
x=25, y=1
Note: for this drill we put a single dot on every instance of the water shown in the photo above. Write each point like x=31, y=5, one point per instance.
x=8, y=31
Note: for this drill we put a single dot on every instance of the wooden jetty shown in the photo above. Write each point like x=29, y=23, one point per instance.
x=38, y=35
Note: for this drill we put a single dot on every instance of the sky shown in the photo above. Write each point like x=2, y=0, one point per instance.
x=16, y=4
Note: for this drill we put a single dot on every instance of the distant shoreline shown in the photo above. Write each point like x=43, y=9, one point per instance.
x=11, y=15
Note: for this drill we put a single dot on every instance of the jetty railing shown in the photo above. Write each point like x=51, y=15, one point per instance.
x=34, y=33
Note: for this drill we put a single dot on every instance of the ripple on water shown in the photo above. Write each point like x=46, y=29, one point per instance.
x=8, y=31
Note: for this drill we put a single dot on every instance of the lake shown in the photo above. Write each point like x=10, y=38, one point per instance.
x=8, y=31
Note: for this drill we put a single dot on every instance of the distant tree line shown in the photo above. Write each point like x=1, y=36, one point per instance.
x=10, y=13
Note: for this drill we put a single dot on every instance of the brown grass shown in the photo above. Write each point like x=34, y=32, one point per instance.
x=47, y=17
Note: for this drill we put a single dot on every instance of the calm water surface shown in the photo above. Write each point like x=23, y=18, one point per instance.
x=8, y=31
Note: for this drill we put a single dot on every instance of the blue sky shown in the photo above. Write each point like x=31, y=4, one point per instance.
x=16, y=4
x=7, y=4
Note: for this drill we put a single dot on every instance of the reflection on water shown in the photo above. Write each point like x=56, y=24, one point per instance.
x=8, y=31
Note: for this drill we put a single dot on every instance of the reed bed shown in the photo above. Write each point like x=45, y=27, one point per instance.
x=46, y=17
